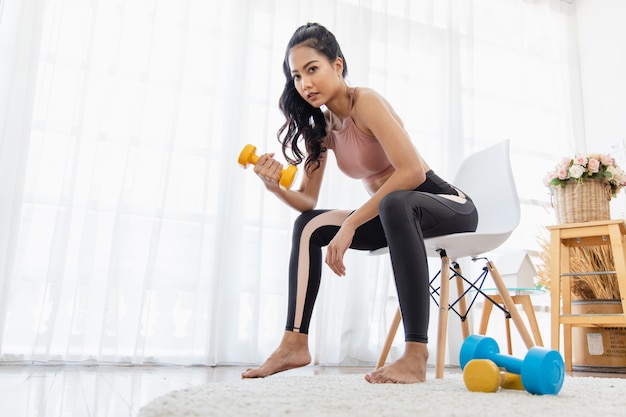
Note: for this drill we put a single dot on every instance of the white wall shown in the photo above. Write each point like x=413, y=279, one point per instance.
x=601, y=39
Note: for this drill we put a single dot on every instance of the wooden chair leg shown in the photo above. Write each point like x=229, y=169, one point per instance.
x=507, y=329
x=460, y=289
x=484, y=320
x=393, y=328
x=527, y=304
x=442, y=328
x=508, y=301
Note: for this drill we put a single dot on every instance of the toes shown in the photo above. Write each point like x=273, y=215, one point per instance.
x=251, y=374
x=377, y=378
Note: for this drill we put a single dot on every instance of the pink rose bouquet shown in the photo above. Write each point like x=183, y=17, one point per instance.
x=584, y=167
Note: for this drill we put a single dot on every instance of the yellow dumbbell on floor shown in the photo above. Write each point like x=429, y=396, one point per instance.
x=483, y=375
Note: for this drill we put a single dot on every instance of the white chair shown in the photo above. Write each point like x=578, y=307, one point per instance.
x=485, y=176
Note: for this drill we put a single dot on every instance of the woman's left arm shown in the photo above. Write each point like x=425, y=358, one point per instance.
x=373, y=115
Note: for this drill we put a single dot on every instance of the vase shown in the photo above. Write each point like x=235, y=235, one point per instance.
x=582, y=202
x=598, y=349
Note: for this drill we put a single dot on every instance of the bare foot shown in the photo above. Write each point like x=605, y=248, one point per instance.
x=293, y=352
x=408, y=369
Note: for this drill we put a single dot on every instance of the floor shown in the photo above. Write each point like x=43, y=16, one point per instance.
x=120, y=391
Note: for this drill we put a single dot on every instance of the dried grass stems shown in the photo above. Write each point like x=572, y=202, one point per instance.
x=584, y=259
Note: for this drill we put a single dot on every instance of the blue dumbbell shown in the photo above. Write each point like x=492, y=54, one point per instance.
x=542, y=370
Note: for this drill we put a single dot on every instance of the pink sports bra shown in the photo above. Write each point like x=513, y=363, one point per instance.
x=358, y=155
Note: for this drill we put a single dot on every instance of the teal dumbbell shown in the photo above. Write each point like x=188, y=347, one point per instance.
x=542, y=370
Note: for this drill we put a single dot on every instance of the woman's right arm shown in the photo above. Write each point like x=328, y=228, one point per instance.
x=303, y=199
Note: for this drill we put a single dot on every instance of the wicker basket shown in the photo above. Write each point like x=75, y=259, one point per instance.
x=584, y=202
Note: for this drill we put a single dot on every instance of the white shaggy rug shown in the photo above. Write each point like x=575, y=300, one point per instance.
x=351, y=395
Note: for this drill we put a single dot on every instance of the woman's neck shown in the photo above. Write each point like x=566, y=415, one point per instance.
x=340, y=107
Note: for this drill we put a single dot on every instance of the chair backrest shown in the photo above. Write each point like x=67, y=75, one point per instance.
x=486, y=176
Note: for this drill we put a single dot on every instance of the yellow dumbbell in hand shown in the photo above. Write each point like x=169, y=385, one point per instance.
x=248, y=156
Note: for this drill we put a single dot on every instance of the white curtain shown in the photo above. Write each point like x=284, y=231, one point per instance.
x=128, y=234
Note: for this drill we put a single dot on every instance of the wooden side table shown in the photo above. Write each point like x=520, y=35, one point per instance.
x=562, y=238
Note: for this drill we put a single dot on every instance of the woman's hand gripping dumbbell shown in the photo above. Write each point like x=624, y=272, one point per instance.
x=248, y=156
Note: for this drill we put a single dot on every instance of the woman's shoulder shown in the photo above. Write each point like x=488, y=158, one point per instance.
x=369, y=103
x=369, y=97
x=366, y=93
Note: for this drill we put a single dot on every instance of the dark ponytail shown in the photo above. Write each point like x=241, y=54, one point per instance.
x=302, y=119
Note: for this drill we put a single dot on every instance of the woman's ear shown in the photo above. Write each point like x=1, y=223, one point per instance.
x=339, y=66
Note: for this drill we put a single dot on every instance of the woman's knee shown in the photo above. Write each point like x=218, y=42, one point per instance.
x=392, y=204
x=302, y=220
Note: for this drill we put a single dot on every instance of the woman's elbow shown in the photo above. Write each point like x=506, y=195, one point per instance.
x=307, y=205
x=421, y=177
x=415, y=178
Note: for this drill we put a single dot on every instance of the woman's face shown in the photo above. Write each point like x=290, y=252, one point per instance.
x=317, y=79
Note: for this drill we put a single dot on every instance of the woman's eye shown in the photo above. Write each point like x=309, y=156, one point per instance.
x=312, y=69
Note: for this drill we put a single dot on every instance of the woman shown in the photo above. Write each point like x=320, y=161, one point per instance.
x=407, y=203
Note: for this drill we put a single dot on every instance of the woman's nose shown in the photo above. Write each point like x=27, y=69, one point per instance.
x=305, y=82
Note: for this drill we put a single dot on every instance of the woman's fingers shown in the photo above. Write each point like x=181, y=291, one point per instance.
x=337, y=248
x=263, y=163
x=268, y=168
x=334, y=260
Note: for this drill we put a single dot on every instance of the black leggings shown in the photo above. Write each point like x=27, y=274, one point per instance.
x=405, y=219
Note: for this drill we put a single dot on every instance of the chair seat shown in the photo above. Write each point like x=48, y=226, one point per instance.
x=461, y=245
